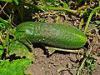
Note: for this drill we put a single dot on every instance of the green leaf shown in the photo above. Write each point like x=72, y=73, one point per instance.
x=97, y=22
x=1, y=50
x=4, y=24
x=50, y=0
x=15, y=1
x=7, y=0
x=20, y=50
x=90, y=63
x=15, y=67
x=79, y=1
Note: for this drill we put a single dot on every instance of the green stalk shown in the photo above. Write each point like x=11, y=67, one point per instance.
x=90, y=16
x=58, y=8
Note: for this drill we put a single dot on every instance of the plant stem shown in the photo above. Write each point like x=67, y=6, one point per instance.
x=81, y=23
x=81, y=51
x=3, y=7
x=58, y=8
x=90, y=16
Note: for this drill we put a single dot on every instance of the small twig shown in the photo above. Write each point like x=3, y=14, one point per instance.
x=2, y=10
x=82, y=65
x=5, y=13
x=3, y=7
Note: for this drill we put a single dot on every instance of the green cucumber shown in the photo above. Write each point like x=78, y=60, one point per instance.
x=52, y=34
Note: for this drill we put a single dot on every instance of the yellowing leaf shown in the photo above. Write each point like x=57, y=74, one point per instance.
x=21, y=50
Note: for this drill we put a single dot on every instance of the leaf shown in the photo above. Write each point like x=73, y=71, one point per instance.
x=50, y=0
x=80, y=1
x=6, y=0
x=15, y=1
x=90, y=63
x=65, y=5
x=15, y=67
x=1, y=50
x=20, y=50
x=97, y=22
x=4, y=24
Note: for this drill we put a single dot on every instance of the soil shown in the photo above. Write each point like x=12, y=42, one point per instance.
x=58, y=63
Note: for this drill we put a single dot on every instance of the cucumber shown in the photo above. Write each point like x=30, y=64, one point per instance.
x=51, y=34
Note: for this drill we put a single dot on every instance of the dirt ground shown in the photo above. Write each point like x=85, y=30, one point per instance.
x=58, y=63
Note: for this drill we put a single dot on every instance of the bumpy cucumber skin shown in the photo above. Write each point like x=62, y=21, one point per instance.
x=56, y=35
